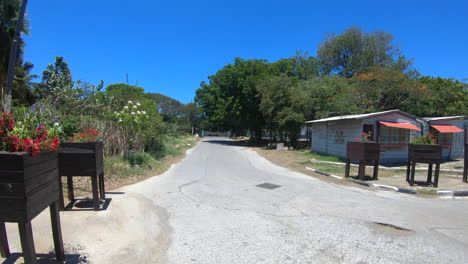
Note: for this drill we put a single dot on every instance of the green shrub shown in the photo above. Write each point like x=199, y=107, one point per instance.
x=426, y=140
x=141, y=159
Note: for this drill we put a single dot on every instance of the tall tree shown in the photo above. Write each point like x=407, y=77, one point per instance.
x=355, y=51
x=168, y=107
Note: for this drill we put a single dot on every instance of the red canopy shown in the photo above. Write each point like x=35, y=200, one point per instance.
x=400, y=125
x=447, y=128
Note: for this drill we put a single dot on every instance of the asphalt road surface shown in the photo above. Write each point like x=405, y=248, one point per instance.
x=215, y=212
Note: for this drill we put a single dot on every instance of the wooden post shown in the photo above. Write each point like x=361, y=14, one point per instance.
x=27, y=242
x=61, y=203
x=71, y=195
x=57, y=231
x=362, y=169
x=376, y=170
x=436, y=176
x=413, y=169
x=408, y=170
x=94, y=183
x=429, y=173
x=348, y=165
x=101, y=186
x=4, y=248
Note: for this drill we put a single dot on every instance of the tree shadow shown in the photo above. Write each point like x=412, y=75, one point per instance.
x=49, y=259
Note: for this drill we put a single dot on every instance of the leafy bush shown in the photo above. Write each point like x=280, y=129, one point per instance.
x=426, y=140
x=141, y=159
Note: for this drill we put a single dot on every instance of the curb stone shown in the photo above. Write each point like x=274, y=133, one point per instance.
x=324, y=173
x=452, y=193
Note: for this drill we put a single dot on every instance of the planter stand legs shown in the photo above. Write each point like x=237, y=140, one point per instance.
x=411, y=168
x=27, y=239
x=98, y=189
x=362, y=169
x=4, y=248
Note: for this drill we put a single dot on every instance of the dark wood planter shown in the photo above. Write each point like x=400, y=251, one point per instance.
x=465, y=167
x=363, y=152
x=28, y=185
x=82, y=159
x=423, y=153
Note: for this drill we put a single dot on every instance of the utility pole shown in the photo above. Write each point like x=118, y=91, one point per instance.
x=13, y=57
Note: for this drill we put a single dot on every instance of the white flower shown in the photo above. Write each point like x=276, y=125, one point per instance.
x=120, y=119
x=130, y=102
x=134, y=106
x=56, y=124
x=138, y=112
x=118, y=114
x=133, y=113
x=143, y=112
x=138, y=104
x=126, y=107
x=115, y=112
x=136, y=120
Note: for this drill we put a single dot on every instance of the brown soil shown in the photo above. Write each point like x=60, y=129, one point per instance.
x=297, y=161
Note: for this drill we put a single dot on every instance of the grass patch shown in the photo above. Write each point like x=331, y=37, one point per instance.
x=430, y=192
x=321, y=157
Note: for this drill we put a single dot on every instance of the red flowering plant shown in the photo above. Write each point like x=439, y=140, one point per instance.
x=426, y=140
x=366, y=137
x=90, y=135
x=14, y=138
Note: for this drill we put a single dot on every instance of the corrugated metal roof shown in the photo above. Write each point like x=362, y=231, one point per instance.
x=444, y=118
x=360, y=116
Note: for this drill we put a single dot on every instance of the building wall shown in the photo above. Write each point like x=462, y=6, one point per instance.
x=397, y=154
x=331, y=137
x=457, y=148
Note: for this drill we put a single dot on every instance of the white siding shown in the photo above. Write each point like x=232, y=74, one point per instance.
x=457, y=148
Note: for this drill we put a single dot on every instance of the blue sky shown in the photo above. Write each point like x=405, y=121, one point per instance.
x=170, y=46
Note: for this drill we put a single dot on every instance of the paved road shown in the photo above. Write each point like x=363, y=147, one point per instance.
x=215, y=213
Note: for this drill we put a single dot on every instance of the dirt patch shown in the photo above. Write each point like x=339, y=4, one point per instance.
x=298, y=160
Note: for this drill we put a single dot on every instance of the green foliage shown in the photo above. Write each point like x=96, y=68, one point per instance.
x=355, y=51
x=28, y=119
x=426, y=140
x=141, y=159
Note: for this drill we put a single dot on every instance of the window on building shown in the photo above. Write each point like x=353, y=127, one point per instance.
x=394, y=136
x=369, y=129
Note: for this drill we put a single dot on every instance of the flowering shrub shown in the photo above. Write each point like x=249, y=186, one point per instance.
x=134, y=121
x=40, y=139
x=90, y=135
x=426, y=140
x=365, y=137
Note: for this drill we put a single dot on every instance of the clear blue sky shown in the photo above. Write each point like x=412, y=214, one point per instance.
x=170, y=46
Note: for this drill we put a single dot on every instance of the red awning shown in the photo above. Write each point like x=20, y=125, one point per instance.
x=400, y=125
x=447, y=128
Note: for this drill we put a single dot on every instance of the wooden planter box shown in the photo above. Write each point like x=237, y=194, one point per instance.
x=363, y=151
x=465, y=167
x=82, y=159
x=28, y=184
x=425, y=153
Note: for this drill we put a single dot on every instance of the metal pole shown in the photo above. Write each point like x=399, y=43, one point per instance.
x=13, y=57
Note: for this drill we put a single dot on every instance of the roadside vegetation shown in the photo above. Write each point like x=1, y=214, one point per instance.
x=142, y=132
x=353, y=72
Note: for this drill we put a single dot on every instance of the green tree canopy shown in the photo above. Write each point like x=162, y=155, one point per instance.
x=355, y=51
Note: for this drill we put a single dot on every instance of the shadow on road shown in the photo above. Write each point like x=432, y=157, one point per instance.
x=49, y=259
x=236, y=143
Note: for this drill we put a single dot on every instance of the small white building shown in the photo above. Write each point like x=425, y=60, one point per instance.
x=449, y=132
x=393, y=129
